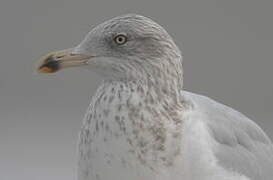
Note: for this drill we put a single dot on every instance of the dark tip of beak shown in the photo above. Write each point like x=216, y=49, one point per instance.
x=50, y=65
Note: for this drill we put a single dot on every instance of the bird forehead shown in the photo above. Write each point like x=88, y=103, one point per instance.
x=130, y=23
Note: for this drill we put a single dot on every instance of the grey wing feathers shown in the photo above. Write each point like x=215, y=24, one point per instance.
x=242, y=145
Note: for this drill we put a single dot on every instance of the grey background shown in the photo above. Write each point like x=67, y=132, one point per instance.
x=227, y=48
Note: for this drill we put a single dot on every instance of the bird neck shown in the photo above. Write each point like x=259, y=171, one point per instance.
x=162, y=82
x=151, y=91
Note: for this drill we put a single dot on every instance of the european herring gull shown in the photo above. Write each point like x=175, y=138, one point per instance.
x=141, y=125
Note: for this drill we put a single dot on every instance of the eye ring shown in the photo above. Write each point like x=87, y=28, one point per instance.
x=120, y=39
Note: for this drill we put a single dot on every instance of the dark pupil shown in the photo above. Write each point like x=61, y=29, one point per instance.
x=120, y=39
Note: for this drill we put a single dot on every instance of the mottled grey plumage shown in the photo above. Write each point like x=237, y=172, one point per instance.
x=140, y=125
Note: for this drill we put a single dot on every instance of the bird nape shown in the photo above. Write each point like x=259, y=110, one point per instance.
x=141, y=125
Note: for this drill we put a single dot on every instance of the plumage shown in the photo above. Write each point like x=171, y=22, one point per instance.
x=239, y=144
x=141, y=125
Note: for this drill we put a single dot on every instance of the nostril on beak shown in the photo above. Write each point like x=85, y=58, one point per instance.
x=59, y=57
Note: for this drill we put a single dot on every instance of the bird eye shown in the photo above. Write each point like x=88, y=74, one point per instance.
x=120, y=39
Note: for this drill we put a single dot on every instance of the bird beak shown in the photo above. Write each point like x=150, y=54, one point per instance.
x=61, y=59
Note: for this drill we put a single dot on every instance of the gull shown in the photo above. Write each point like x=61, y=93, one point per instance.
x=142, y=125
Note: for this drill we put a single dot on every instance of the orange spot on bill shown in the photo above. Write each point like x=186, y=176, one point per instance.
x=46, y=70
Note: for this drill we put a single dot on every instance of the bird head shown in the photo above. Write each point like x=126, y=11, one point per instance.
x=125, y=47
